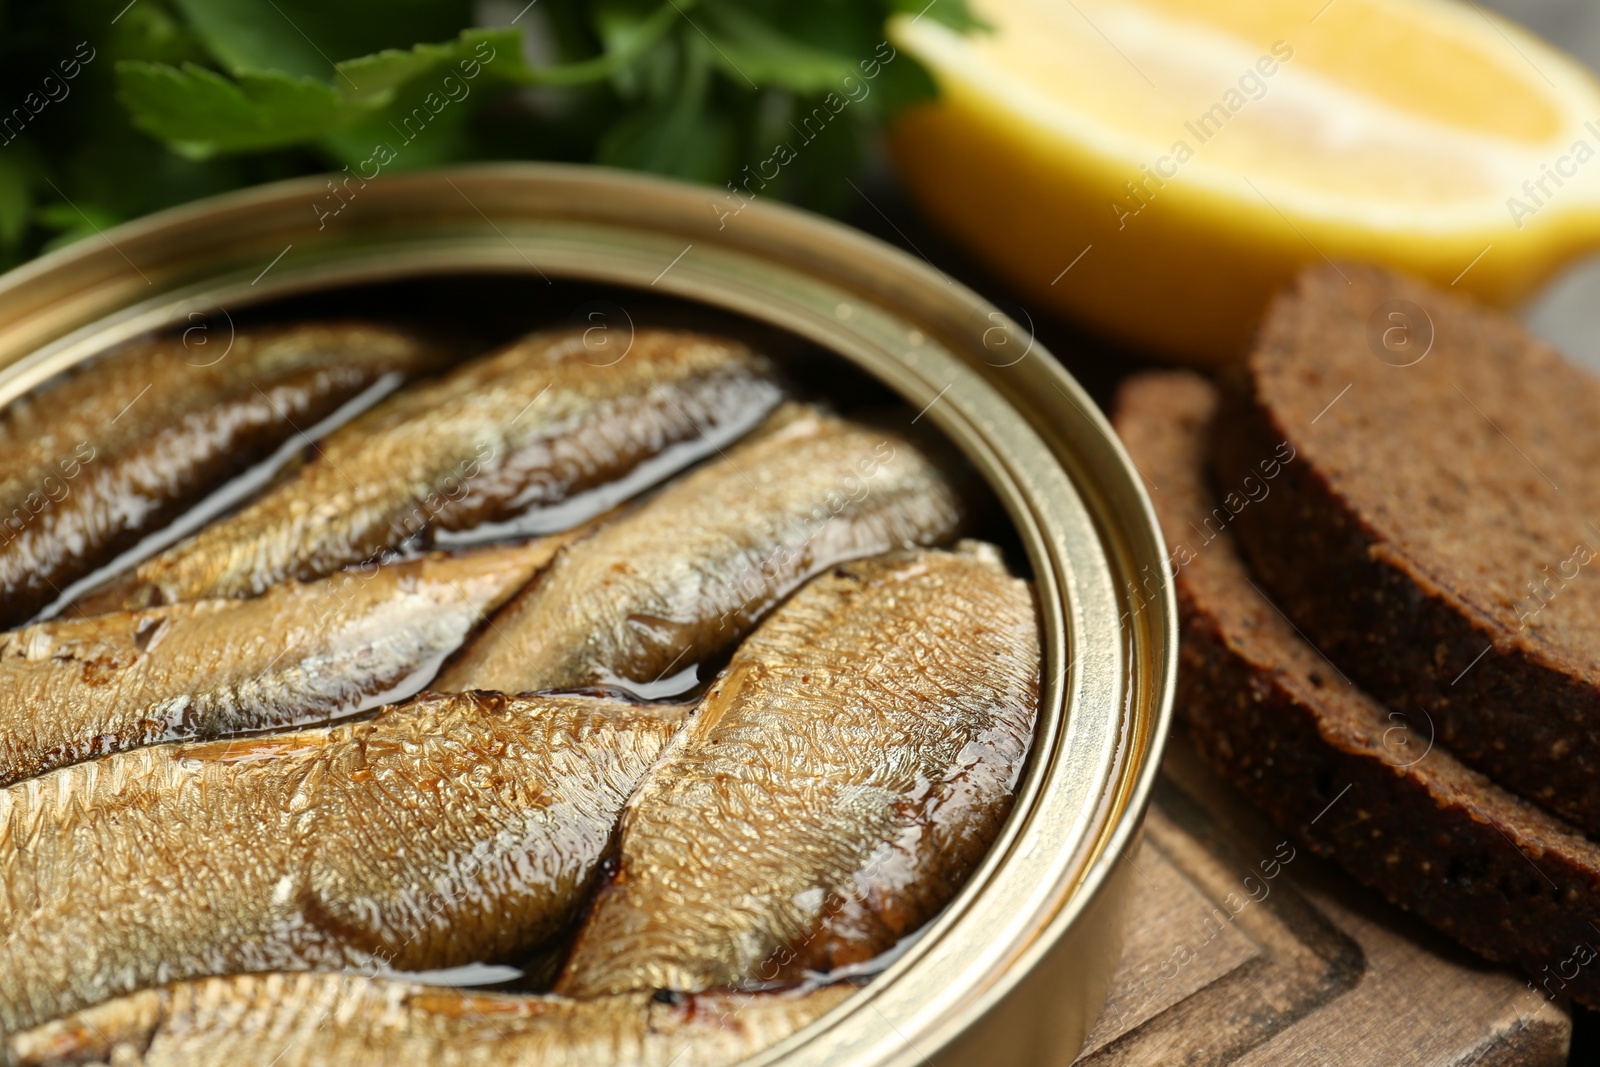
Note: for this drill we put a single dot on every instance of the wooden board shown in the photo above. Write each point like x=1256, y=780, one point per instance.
x=1244, y=949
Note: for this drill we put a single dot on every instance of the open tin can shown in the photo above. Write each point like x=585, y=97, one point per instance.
x=1015, y=969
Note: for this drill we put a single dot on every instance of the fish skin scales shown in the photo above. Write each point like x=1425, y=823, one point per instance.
x=73, y=689
x=835, y=787
x=116, y=450
x=532, y=424
x=335, y=1020
x=398, y=842
x=687, y=574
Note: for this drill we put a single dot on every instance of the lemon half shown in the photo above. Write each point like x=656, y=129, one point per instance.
x=1156, y=169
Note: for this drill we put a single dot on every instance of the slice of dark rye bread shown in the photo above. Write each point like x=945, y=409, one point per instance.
x=1437, y=534
x=1331, y=765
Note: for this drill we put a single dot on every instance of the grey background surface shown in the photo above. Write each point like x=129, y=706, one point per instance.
x=1568, y=311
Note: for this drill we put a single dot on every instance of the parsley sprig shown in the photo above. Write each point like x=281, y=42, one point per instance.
x=109, y=110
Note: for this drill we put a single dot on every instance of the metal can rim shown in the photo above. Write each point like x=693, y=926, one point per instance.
x=1058, y=872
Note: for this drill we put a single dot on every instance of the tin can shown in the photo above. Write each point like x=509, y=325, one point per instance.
x=1015, y=969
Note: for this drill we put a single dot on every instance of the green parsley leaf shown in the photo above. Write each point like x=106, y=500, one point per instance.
x=162, y=101
x=750, y=50
x=201, y=113
x=305, y=38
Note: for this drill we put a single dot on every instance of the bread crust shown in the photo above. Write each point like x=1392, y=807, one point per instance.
x=1350, y=544
x=1366, y=787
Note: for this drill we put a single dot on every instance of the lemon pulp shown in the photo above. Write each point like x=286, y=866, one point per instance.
x=1158, y=168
